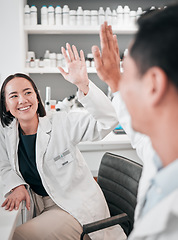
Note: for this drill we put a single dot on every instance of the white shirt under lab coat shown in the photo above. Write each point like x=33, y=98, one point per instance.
x=66, y=178
x=161, y=222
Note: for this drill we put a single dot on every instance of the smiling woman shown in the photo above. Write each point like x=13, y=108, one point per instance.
x=39, y=153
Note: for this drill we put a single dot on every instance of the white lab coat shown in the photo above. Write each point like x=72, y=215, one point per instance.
x=161, y=222
x=67, y=179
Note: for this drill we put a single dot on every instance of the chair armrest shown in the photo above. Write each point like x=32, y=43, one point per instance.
x=104, y=223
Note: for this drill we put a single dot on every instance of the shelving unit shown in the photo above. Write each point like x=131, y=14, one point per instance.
x=40, y=29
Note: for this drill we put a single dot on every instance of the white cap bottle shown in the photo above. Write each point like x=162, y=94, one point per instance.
x=72, y=17
x=101, y=15
x=94, y=17
x=65, y=13
x=33, y=15
x=79, y=16
x=87, y=17
x=108, y=15
x=114, y=18
x=50, y=15
x=120, y=15
x=27, y=15
x=139, y=12
x=58, y=15
x=126, y=15
x=133, y=15
x=44, y=15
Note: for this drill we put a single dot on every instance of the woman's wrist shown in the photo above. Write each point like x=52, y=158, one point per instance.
x=84, y=87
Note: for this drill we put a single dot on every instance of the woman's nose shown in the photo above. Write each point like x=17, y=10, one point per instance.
x=22, y=99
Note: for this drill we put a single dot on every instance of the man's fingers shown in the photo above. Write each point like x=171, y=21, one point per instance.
x=110, y=37
x=116, y=46
x=103, y=37
x=97, y=57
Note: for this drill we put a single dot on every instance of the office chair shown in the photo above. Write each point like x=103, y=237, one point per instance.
x=118, y=178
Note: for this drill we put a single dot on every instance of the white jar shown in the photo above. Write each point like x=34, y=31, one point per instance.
x=50, y=15
x=44, y=15
x=65, y=15
x=101, y=15
x=72, y=17
x=87, y=17
x=33, y=15
x=46, y=55
x=79, y=16
x=94, y=17
x=58, y=15
x=108, y=15
x=120, y=15
x=27, y=15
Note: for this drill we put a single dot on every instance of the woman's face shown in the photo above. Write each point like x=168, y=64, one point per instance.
x=21, y=99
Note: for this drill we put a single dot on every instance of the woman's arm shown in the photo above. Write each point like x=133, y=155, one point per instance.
x=13, y=186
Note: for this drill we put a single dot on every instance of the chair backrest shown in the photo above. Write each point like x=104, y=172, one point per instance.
x=118, y=178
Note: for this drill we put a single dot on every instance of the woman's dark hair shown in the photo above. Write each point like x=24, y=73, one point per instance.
x=7, y=117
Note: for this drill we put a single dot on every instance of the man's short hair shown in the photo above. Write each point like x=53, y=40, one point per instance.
x=156, y=42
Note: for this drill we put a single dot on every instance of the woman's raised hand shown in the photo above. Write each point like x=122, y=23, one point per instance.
x=16, y=197
x=77, y=71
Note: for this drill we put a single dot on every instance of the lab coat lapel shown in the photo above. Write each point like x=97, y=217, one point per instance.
x=43, y=137
x=155, y=221
x=12, y=132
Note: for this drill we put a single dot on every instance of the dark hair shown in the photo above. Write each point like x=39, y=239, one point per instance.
x=156, y=42
x=7, y=117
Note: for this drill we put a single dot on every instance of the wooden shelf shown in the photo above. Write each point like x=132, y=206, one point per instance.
x=39, y=29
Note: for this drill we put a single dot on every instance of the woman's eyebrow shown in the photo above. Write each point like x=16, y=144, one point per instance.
x=25, y=89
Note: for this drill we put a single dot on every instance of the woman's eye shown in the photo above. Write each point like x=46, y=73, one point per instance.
x=13, y=96
x=27, y=93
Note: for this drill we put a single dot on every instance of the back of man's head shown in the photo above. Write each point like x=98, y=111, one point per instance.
x=156, y=43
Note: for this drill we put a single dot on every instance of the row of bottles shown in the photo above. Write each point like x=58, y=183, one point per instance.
x=52, y=60
x=64, y=16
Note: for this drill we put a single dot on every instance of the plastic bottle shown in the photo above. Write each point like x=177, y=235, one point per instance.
x=120, y=15
x=32, y=62
x=126, y=15
x=44, y=15
x=94, y=17
x=65, y=15
x=58, y=15
x=101, y=15
x=50, y=15
x=27, y=15
x=52, y=57
x=133, y=15
x=33, y=15
x=79, y=16
x=72, y=17
x=114, y=17
x=108, y=15
x=139, y=12
x=87, y=17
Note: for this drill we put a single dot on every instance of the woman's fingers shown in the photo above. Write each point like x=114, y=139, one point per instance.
x=76, y=55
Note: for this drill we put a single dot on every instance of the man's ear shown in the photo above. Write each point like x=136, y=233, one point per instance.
x=157, y=84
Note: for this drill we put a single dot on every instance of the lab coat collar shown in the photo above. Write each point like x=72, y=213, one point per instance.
x=156, y=220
